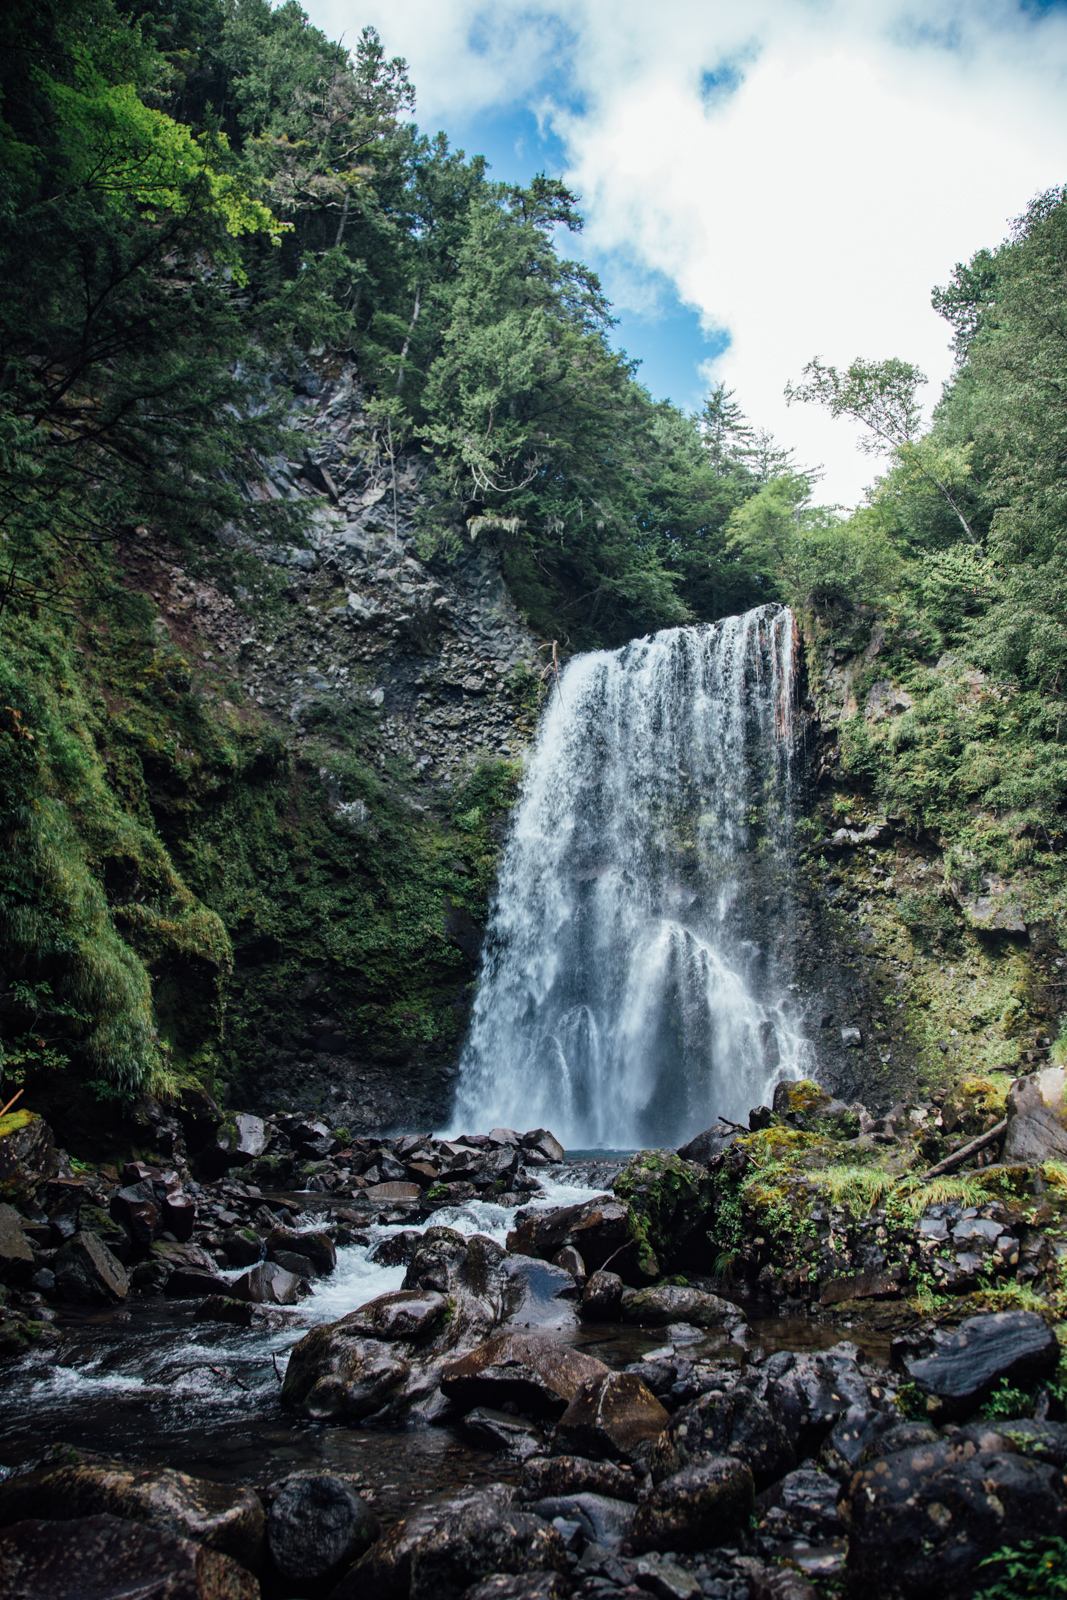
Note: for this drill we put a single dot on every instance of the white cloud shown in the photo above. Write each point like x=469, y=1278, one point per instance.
x=809, y=212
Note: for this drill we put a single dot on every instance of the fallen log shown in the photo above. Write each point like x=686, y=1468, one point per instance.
x=964, y=1153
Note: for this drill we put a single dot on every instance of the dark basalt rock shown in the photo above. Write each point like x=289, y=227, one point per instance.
x=27, y=1154
x=101, y=1557
x=613, y=1414
x=599, y=1230
x=717, y=1424
x=603, y=1521
x=966, y=1365
x=698, y=1508
x=403, y=1314
x=223, y=1517
x=923, y=1520
x=521, y=1586
x=478, y=1540
x=537, y=1374
x=314, y=1247
x=802, y=1506
x=16, y=1257
x=546, y=1476
x=243, y=1247
x=497, y=1430
x=332, y=1375
x=664, y=1303
x=270, y=1285
x=86, y=1270
x=808, y=1394
x=318, y=1525
x=602, y=1296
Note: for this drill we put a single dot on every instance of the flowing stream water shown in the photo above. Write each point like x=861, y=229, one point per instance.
x=635, y=983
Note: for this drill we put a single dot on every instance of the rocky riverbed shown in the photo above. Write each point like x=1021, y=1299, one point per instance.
x=812, y=1355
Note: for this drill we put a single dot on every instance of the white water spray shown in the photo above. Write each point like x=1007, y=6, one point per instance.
x=635, y=979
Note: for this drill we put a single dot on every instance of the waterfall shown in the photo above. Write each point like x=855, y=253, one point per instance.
x=635, y=979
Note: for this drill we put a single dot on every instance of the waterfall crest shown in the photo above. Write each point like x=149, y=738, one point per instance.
x=635, y=978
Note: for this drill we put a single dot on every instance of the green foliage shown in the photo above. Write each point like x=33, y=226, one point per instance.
x=1035, y=1567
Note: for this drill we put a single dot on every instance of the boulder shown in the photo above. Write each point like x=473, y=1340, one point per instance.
x=967, y=1364
x=542, y=1143
x=316, y=1250
x=250, y=1138
x=103, y=1557
x=569, y=1259
x=521, y=1586
x=602, y=1297
x=403, y=1314
x=602, y=1520
x=393, y=1193
x=334, y=1376
x=809, y=1393
x=223, y=1517
x=498, y=1430
x=179, y=1215
x=802, y=1506
x=16, y=1257
x=268, y=1285
x=480, y=1539
x=922, y=1520
x=385, y=1570
x=702, y=1150
x=544, y=1477
x=27, y=1154
x=137, y=1209
x=698, y=1508
x=450, y=1262
x=86, y=1270
x=540, y=1294
x=318, y=1526
x=612, y=1414
x=663, y=1303
x=185, y=1283
x=537, y=1374
x=601, y=1230
x=736, y=1423
x=243, y=1247
x=1037, y=1129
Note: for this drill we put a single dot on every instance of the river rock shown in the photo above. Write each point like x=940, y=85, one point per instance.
x=663, y=1303
x=540, y=1294
x=103, y=1557
x=923, y=1520
x=186, y=1284
x=268, y=1285
x=498, y=1430
x=967, y=1364
x=737, y=1424
x=250, y=1138
x=16, y=1257
x=602, y=1296
x=137, y=1209
x=316, y=1248
x=702, y=1150
x=450, y=1262
x=802, y=1506
x=86, y=1270
x=598, y=1229
x=537, y=1374
x=223, y=1517
x=482, y=1538
x=318, y=1525
x=612, y=1414
x=402, y=1314
x=333, y=1375
x=603, y=1521
x=27, y=1154
x=698, y=1508
x=569, y=1259
x=544, y=1477
x=808, y=1393
x=179, y=1215
x=541, y=1142
x=385, y=1570
x=243, y=1247
x=521, y=1586
x=1037, y=1130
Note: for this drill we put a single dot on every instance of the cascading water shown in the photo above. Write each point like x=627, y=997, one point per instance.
x=635, y=979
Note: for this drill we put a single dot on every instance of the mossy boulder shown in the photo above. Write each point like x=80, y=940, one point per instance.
x=671, y=1203
x=27, y=1153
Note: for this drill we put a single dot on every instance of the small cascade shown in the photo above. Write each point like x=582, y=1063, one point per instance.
x=635, y=980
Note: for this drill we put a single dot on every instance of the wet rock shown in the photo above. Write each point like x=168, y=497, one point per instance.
x=777, y=1583
x=537, y=1374
x=101, y=1557
x=540, y=1294
x=599, y=1230
x=737, y=1424
x=1041, y=1441
x=808, y=1394
x=905, y=1436
x=393, y=1193
x=318, y=1525
x=967, y=1364
x=923, y=1520
x=250, y=1138
x=16, y=1257
x=449, y=1262
x=385, y=1570
x=852, y=1437
x=541, y=1142
x=612, y=1414
x=315, y=1248
x=243, y=1247
x=179, y=1215
x=521, y=1586
x=186, y=1284
x=546, y=1476
x=137, y=1210
x=602, y=1296
x=187, y=1257
x=602, y=1520
x=86, y=1270
x=223, y=1517
x=665, y=1579
x=27, y=1154
x=701, y=1506
x=570, y=1261
x=802, y=1506
x=270, y=1285
x=1036, y=1111
x=478, y=1540
x=703, y=1150
x=663, y=1303
x=403, y=1314
x=498, y=1430
x=333, y=1376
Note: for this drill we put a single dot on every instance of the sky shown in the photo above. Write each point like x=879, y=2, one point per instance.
x=764, y=182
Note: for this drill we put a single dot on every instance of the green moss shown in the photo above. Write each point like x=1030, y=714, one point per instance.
x=671, y=1203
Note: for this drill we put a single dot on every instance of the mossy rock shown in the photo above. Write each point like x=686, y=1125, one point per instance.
x=803, y=1099
x=671, y=1203
x=27, y=1153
